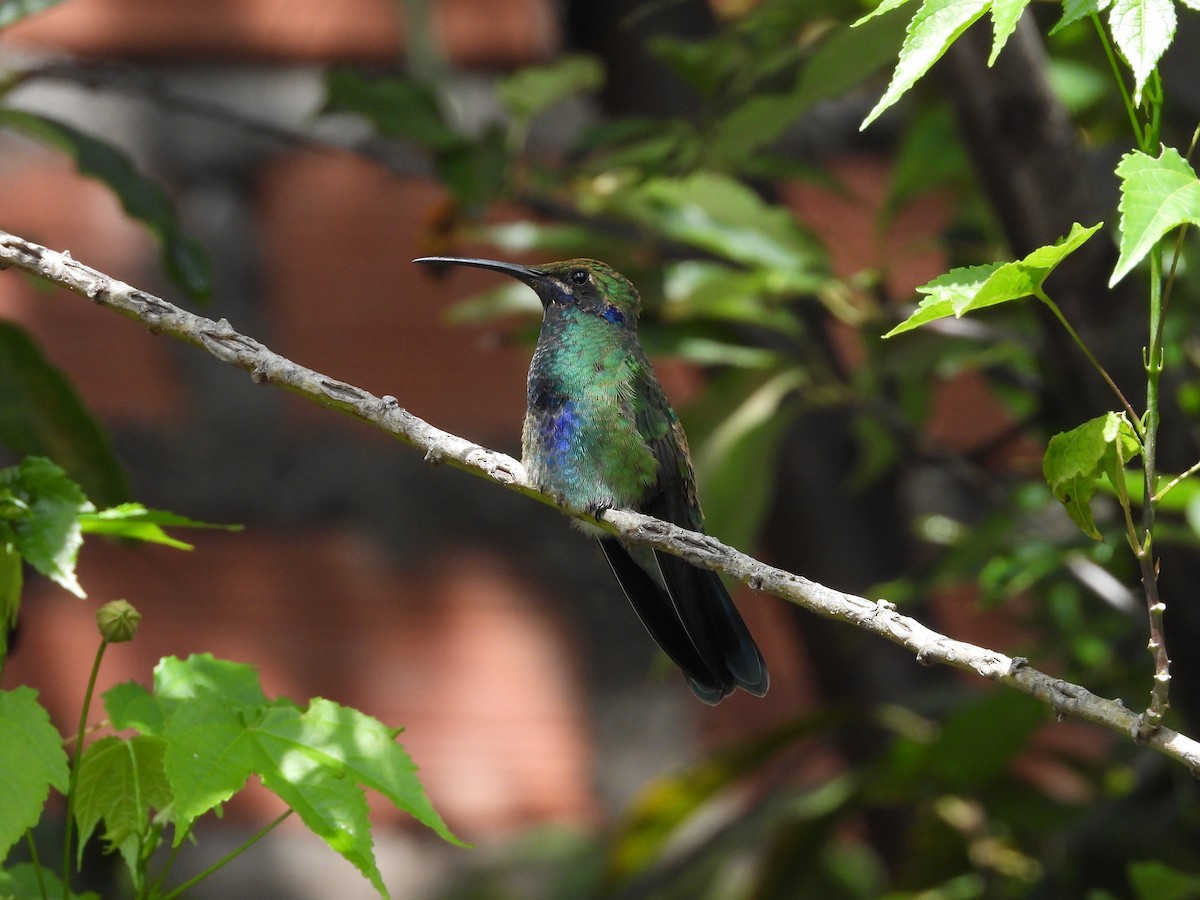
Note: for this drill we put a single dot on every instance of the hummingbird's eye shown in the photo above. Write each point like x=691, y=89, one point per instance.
x=579, y=276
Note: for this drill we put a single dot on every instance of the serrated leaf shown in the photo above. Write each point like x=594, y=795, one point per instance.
x=1075, y=10
x=238, y=683
x=24, y=881
x=32, y=761
x=119, y=782
x=315, y=760
x=133, y=521
x=362, y=748
x=945, y=295
x=1075, y=461
x=131, y=705
x=966, y=289
x=222, y=729
x=46, y=533
x=886, y=6
x=936, y=25
x=1005, y=15
x=14, y=10
x=332, y=807
x=1142, y=31
x=42, y=415
x=141, y=198
x=209, y=755
x=534, y=89
x=1157, y=195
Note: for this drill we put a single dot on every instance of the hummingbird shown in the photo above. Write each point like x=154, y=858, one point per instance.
x=599, y=434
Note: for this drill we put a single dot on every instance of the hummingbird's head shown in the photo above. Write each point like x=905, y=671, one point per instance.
x=586, y=284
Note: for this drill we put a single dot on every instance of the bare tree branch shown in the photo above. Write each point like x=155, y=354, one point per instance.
x=878, y=617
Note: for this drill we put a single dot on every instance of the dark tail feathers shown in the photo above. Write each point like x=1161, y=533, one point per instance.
x=694, y=622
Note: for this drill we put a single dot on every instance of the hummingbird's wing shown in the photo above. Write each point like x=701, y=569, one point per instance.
x=706, y=612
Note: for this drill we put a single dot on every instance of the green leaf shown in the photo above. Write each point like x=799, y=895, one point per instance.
x=534, y=89
x=720, y=214
x=1157, y=195
x=1075, y=10
x=1155, y=880
x=474, y=170
x=131, y=705
x=1005, y=15
x=843, y=61
x=119, y=782
x=930, y=157
x=711, y=291
x=133, y=521
x=314, y=760
x=14, y=10
x=41, y=415
x=11, y=579
x=24, y=881
x=32, y=761
x=745, y=440
x=346, y=748
x=1076, y=459
x=936, y=25
x=966, y=289
x=221, y=729
x=209, y=755
x=978, y=742
x=141, y=198
x=176, y=679
x=397, y=107
x=1142, y=31
x=46, y=533
x=885, y=6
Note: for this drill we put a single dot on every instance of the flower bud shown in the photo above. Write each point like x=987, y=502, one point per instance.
x=118, y=621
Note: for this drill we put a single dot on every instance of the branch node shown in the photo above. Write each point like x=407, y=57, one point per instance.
x=1017, y=664
x=339, y=390
x=259, y=374
x=434, y=456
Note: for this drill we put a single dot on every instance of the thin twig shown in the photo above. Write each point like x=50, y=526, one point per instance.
x=877, y=617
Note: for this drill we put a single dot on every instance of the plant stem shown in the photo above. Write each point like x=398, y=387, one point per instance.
x=1176, y=481
x=152, y=890
x=83, y=717
x=229, y=857
x=1159, y=693
x=1130, y=108
x=37, y=864
x=1045, y=298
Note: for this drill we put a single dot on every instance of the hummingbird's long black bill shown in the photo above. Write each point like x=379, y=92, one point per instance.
x=521, y=273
